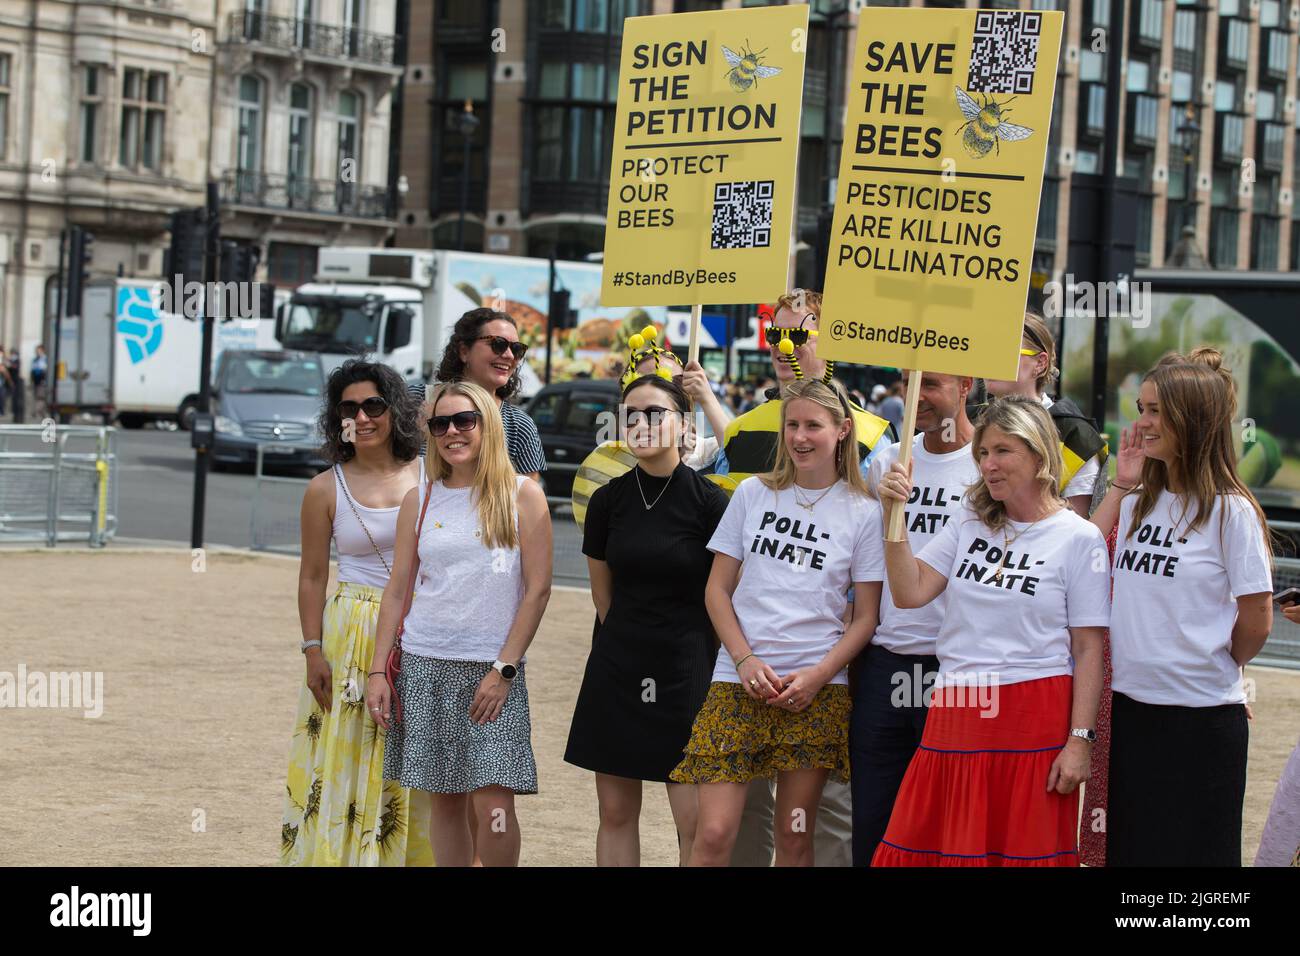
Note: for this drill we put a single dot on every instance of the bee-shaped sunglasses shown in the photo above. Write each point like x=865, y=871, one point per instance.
x=985, y=125
x=786, y=340
x=746, y=67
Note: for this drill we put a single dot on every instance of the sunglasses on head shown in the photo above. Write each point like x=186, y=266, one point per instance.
x=374, y=406
x=774, y=334
x=464, y=422
x=1031, y=352
x=499, y=344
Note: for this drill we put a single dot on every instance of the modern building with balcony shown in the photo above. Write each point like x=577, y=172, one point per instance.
x=1208, y=120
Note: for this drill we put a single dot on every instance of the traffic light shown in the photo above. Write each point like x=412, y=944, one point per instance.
x=80, y=255
x=560, y=315
x=265, y=300
x=238, y=262
x=185, y=255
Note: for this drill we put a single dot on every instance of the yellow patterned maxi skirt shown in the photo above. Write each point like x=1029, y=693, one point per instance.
x=338, y=809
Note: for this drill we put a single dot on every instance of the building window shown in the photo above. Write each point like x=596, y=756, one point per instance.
x=1236, y=44
x=1181, y=89
x=589, y=16
x=1270, y=13
x=144, y=118
x=1139, y=76
x=248, y=147
x=92, y=98
x=6, y=64
x=290, y=265
x=1277, y=52
x=1185, y=30
x=1223, y=238
x=302, y=24
x=354, y=22
x=1264, y=233
x=574, y=132
x=1151, y=21
x=299, y=165
x=349, y=146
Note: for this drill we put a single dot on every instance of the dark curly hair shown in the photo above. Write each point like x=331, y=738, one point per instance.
x=404, y=434
x=466, y=332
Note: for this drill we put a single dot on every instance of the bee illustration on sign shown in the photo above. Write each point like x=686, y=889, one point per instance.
x=985, y=125
x=746, y=67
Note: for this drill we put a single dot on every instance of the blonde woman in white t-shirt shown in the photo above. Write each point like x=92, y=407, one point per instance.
x=779, y=705
x=1008, y=738
x=1192, y=606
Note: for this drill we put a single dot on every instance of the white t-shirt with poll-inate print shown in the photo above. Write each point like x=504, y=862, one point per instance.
x=938, y=484
x=1056, y=576
x=797, y=569
x=1176, y=596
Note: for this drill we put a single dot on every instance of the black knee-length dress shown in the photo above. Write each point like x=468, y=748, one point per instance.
x=652, y=657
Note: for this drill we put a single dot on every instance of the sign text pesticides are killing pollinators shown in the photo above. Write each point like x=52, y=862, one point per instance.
x=702, y=172
x=939, y=186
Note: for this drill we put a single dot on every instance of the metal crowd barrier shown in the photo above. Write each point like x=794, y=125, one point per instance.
x=1283, y=646
x=283, y=536
x=58, y=483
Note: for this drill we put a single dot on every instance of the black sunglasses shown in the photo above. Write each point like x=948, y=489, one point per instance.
x=464, y=422
x=500, y=343
x=652, y=415
x=774, y=335
x=374, y=406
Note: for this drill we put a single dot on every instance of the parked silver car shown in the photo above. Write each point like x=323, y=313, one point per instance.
x=270, y=398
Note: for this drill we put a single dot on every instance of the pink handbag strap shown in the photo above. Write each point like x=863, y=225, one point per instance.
x=415, y=569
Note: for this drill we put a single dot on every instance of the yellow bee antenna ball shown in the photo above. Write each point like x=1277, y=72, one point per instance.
x=785, y=347
x=650, y=333
x=635, y=343
x=664, y=373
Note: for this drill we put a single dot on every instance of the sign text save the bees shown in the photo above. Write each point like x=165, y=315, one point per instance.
x=702, y=174
x=937, y=198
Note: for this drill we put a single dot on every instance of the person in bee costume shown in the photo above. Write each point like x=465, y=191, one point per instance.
x=749, y=447
x=749, y=443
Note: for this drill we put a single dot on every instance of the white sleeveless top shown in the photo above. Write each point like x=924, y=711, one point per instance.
x=466, y=595
x=358, y=563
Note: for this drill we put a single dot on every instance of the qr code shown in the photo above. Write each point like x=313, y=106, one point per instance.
x=742, y=215
x=1004, y=51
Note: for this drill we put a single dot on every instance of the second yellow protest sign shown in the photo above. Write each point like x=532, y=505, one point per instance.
x=937, y=197
x=702, y=174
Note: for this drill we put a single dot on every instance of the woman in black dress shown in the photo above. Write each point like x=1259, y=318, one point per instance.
x=652, y=657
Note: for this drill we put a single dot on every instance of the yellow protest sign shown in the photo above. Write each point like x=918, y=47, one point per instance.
x=937, y=199
x=702, y=174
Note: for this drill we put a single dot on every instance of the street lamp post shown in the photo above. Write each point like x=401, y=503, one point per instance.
x=468, y=124
x=1189, y=135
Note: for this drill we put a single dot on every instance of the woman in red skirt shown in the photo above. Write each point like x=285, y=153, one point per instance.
x=996, y=779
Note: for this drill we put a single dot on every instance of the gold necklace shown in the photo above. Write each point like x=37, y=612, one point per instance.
x=1008, y=542
x=809, y=505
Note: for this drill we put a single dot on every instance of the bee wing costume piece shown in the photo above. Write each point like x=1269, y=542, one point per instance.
x=614, y=458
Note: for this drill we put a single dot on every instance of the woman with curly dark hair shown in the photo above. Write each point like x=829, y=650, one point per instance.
x=339, y=810
x=485, y=349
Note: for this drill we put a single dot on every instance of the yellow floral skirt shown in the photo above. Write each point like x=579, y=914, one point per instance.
x=736, y=739
x=338, y=809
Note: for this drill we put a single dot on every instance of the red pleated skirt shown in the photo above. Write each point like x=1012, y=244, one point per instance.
x=976, y=792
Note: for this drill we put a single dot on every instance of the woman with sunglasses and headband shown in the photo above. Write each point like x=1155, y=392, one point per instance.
x=646, y=537
x=1083, y=449
x=484, y=578
x=485, y=349
x=339, y=811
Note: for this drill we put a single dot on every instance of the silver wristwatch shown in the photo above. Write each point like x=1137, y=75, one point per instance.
x=1088, y=735
x=307, y=644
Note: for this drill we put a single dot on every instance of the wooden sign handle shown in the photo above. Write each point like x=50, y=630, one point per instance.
x=693, y=350
x=896, y=531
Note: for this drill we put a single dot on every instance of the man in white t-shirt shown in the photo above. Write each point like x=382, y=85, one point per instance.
x=892, y=677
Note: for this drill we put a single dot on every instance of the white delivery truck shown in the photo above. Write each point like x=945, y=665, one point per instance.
x=399, y=306
x=127, y=360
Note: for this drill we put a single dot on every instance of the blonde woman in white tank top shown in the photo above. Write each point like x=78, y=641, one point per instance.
x=338, y=809
x=464, y=733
